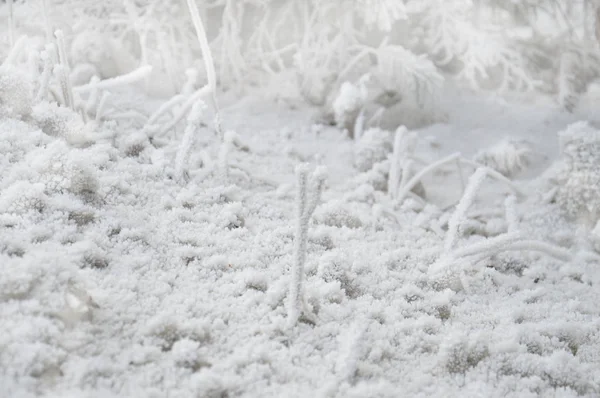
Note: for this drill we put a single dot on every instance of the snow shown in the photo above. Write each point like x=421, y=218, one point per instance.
x=191, y=280
x=144, y=261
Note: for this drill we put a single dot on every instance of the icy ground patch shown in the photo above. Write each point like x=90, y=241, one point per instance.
x=116, y=280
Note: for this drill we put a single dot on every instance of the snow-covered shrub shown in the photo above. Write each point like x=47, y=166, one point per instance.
x=16, y=98
x=508, y=156
x=579, y=180
x=374, y=146
x=63, y=170
x=577, y=68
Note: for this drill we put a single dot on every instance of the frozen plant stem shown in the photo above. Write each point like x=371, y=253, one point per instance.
x=208, y=60
x=396, y=163
x=64, y=71
x=305, y=208
x=227, y=144
x=46, y=75
x=404, y=190
x=459, y=215
x=512, y=219
x=185, y=107
x=187, y=142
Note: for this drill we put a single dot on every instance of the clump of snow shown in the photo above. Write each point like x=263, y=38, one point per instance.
x=16, y=97
x=347, y=106
x=57, y=121
x=374, y=146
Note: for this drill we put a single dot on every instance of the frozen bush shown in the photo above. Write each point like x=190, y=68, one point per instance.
x=63, y=170
x=373, y=147
x=61, y=122
x=508, y=157
x=579, y=179
x=169, y=329
x=16, y=97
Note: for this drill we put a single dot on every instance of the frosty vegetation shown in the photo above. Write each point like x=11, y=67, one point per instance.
x=334, y=198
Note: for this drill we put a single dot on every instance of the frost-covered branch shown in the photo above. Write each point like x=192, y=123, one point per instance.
x=448, y=270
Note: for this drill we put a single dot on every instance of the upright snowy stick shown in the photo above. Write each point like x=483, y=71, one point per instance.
x=185, y=148
x=64, y=71
x=208, y=60
x=305, y=209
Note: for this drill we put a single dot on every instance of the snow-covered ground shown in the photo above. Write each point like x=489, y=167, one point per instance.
x=119, y=280
x=168, y=230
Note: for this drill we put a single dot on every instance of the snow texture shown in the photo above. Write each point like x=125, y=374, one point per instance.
x=152, y=246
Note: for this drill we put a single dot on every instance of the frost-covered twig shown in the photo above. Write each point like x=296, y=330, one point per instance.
x=46, y=75
x=15, y=51
x=449, y=268
x=64, y=71
x=102, y=105
x=209, y=63
x=305, y=207
x=224, y=151
x=494, y=174
x=132, y=77
x=401, y=161
x=458, y=217
x=512, y=219
x=415, y=180
x=187, y=142
x=187, y=105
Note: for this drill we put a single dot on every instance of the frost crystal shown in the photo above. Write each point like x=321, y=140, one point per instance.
x=373, y=147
